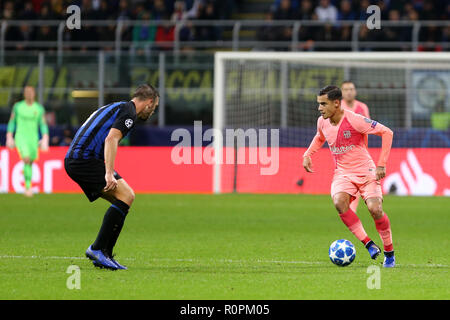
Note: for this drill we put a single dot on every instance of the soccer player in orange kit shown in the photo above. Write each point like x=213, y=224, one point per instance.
x=349, y=102
x=355, y=171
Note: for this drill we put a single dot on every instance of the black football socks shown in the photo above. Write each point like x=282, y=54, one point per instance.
x=112, y=225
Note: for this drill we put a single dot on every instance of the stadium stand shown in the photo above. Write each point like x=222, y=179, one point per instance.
x=132, y=34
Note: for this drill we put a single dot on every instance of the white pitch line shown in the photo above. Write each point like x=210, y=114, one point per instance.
x=433, y=265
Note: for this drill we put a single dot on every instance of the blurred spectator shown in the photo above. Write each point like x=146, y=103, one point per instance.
x=431, y=37
x=180, y=14
x=306, y=33
x=159, y=11
x=144, y=33
x=346, y=12
x=57, y=7
x=394, y=33
x=400, y=5
x=384, y=10
x=125, y=14
x=28, y=12
x=47, y=13
x=284, y=11
x=44, y=33
x=63, y=140
x=206, y=11
x=267, y=32
x=192, y=12
x=103, y=12
x=427, y=12
x=362, y=13
x=326, y=11
x=95, y=5
x=165, y=36
x=87, y=13
x=306, y=11
x=328, y=34
x=8, y=11
x=23, y=36
x=295, y=4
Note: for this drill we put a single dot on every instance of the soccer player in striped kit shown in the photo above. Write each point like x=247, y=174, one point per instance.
x=349, y=102
x=90, y=163
x=355, y=171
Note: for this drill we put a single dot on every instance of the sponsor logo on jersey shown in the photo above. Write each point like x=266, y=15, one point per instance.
x=342, y=149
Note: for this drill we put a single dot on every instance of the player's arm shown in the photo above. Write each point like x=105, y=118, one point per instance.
x=44, y=132
x=111, y=145
x=119, y=129
x=11, y=128
x=368, y=126
x=386, y=144
x=316, y=143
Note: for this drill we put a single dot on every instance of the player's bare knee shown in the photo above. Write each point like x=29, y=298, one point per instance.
x=26, y=160
x=131, y=196
x=376, y=213
x=375, y=208
x=127, y=196
x=341, y=204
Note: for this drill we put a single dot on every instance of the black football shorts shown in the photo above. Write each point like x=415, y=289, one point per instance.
x=89, y=174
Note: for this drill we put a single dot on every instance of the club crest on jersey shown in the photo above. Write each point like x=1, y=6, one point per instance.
x=374, y=123
x=347, y=134
x=128, y=123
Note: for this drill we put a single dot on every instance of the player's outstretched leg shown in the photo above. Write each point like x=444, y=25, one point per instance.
x=350, y=219
x=383, y=227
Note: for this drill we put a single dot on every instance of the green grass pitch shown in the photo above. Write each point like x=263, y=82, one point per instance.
x=234, y=246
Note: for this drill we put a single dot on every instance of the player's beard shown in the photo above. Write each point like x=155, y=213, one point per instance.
x=146, y=115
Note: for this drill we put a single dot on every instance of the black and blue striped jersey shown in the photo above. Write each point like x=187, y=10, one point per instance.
x=89, y=141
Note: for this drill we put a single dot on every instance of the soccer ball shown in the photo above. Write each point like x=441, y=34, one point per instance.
x=342, y=252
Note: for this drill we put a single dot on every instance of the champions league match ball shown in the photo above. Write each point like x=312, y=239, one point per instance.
x=342, y=252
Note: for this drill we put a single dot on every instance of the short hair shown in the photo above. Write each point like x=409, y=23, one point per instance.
x=145, y=91
x=347, y=81
x=332, y=92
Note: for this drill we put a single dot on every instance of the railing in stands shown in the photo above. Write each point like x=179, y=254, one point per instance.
x=411, y=29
